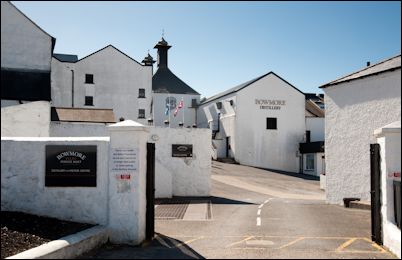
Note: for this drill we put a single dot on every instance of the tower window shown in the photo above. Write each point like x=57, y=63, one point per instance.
x=89, y=78
x=141, y=93
x=271, y=123
x=89, y=101
x=141, y=113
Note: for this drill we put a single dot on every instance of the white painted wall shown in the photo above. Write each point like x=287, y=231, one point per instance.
x=30, y=119
x=316, y=126
x=23, y=44
x=176, y=176
x=23, y=188
x=75, y=129
x=389, y=138
x=127, y=209
x=353, y=111
x=208, y=118
x=159, y=108
x=62, y=75
x=117, y=80
x=273, y=149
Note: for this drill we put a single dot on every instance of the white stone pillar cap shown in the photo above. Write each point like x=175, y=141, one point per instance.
x=128, y=125
x=394, y=127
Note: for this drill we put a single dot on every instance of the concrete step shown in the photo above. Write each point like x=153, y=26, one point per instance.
x=360, y=205
x=227, y=160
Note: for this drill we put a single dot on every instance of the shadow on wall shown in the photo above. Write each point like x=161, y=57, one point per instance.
x=162, y=247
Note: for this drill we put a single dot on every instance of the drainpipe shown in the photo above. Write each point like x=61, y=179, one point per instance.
x=72, y=88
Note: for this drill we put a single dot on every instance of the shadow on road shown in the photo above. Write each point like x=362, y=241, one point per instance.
x=293, y=174
x=162, y=247
x=195, y=200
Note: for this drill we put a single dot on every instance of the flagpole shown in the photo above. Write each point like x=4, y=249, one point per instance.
x=169, y=110
x=183, y=109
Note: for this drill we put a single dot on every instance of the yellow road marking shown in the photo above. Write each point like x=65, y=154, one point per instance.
x=241, y=241
x=346, y=244
x=373, y=244
x=291, y=243
x=189, y=241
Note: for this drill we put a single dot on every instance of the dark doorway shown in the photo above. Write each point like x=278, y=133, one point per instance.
x=150, y=215
x=227, y=146
x=376, y=228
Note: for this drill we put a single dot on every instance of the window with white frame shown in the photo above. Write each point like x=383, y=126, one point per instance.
x=310, y=161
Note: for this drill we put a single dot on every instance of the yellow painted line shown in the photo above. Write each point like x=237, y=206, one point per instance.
x=346, y=244
x=291, y=243
x=373, y=244
x=188, y=241
x=360, y=252
x=241, y=241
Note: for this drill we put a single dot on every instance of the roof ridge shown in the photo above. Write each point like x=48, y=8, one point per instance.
x=363, y=69
x=29, y=19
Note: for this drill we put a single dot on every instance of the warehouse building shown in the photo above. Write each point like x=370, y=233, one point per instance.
x=258, y=123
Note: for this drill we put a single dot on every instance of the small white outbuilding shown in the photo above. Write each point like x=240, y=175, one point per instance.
x=356, y=105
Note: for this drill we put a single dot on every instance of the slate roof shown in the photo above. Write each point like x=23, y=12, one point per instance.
x=245, y=84
x=65, y=57
x=69, y=114
x=383, y=66
x=165, y=81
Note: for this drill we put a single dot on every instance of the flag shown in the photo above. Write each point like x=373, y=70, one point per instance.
x=181, y=104
x=167, y=108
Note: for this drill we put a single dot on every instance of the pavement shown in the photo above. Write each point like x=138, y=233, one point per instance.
x=255, y=213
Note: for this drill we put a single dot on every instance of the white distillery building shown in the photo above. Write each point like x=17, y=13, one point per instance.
x=355, y=106
x=312, y=160
x=169, y=91
x=26, y=53
x=259, y=123
x=105, y=79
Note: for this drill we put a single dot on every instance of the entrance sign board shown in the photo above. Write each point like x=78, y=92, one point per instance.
x=182, y=150
x=124, y=163
x=70, y=166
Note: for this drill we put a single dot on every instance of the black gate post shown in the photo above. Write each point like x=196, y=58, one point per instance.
x=375, y=172
x=150, y=215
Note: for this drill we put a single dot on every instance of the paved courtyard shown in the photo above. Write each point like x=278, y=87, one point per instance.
x=254, y=213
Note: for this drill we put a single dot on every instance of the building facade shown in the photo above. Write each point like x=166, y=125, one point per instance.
x=106, y=79
x=312, y=161
x=356, y=105
x=259, y=123
x=26, y=53
x=169, y=91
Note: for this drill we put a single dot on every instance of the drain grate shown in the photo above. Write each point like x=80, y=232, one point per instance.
x=170, y=209
x=178, y=209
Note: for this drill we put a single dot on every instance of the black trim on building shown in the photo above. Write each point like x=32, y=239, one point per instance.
x=312, y=147
x=28, y=85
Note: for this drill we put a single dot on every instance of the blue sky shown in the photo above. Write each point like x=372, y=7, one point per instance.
x=218, y=45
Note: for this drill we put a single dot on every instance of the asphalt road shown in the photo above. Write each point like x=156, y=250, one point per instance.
x=259, y=214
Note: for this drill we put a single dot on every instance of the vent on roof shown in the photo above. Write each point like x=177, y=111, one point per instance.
x=368, y=64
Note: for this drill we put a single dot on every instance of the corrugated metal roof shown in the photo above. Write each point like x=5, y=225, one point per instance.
x=164, y=81
x=65, y=57
x=383, y=66
x=68, y=114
